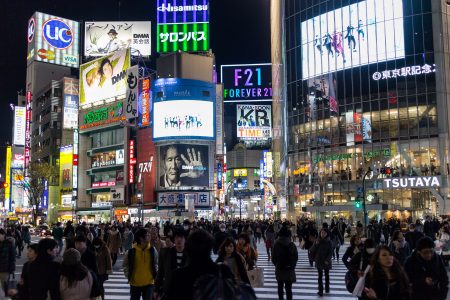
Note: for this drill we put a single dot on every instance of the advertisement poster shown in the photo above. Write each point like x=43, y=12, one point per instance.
x=172, y=199
x=53, y=40
x=144, y=103
x=322, y=92
x=65, y=163
x=71, y=90
x=102, y=38
x=104, y=78
x=358, y=128
x=254, y=122
x=131, y=99
x=183, y=165
x=110, y=158
x=341, y=38
x=246, y=83
x=146, y=164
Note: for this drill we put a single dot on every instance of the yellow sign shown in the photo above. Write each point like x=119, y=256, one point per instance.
x=240, y=172
x=8, y=176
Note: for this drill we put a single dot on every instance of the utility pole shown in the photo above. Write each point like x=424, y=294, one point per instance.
x=369, y=170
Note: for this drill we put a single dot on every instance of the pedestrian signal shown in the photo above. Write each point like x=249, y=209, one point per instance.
x=386, y=171
x=358, y=203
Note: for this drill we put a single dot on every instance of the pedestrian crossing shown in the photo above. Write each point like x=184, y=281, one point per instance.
x=117, y=288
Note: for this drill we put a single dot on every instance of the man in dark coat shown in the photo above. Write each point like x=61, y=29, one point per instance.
x=42, y=277
x=7, y=257
x=219, y=237
x=426, y=272
x=285, y=257
x=413, y=236
x=88, y=257
x=170, y=259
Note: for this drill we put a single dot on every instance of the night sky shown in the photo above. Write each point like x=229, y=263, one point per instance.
x=240, y=33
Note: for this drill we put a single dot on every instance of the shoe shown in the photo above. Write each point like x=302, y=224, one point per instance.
x=320, y=294
x=327, y=291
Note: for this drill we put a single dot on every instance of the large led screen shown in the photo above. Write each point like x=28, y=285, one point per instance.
x=102, y=38
x=104, y=78
x=183, y=165
x=254, y=122
x=183, y=119
x=362, y=33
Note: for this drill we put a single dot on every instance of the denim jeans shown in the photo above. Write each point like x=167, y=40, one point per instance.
x=145, y=291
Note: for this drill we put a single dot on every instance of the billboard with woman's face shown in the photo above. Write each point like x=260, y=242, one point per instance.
x=104, y=78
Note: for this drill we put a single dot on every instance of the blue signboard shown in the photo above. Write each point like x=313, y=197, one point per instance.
x=182, y=11
x=44, y=201
x=219, y=176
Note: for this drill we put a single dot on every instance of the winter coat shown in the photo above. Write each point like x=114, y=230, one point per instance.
x=80, y=290
x=270, y=238
x=355, y=263
x=127, y=240
x=7, y=256
x=42, y=279
x=129, y=262
x=285, y=257
x=250, y=256
x=89, y=260
x=402, y=253
x=418, y=269
x=386, y=290
x=322, y=252
x=167, y=263
x=114, y=241
x=104, y=262
x=412, y=237
x=240, y=270
x=348, y=255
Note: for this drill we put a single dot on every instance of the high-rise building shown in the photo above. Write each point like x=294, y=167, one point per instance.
x=367, y=107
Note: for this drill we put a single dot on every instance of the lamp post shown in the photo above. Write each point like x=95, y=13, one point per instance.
x=369, y=170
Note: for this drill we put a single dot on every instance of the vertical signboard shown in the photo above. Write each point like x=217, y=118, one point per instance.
x=182, y=25
x=132, y=162
x=131, y=100
x=144, y=100
x=146, y=164
x=19, y=125
x=29, y=97
x=75, y=164
x=66, y=167
x=219, y=176
x=358, y=128
x=71, y=90
x=8, y=178
x=254, y=122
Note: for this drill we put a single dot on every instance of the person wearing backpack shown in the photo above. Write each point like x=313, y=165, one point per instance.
x=285, y=257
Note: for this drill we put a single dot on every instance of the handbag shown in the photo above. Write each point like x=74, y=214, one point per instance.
x=359, y=288
x=11, y=285
x=256, y=277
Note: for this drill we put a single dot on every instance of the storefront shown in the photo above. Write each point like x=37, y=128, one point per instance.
x=121, y=214
x=92, y=215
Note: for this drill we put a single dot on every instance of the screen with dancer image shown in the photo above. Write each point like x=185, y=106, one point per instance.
x=362, y=33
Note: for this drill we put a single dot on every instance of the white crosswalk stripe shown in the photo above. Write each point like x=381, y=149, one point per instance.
x=305, y=288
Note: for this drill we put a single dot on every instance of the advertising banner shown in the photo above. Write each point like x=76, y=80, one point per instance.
x=247, y=83
x=110, y=158
x=173, y=199
x=104, y=78
x=358, y=128
x=19, y=125
x=183, y=109
x=322, y=89
x=102, y=38
x=131, y=99
x=65, y=166
x=102, y=116
x=412, y=182
x=146, y=164
x=342, y=38
x=254, y=122
x=8, y=178
x=189, y=37
x=183, y=165
x=53, y=40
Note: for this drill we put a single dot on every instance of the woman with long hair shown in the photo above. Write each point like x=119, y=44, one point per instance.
x=386, y=279
x=399, y=246
x=355, y=247
x=269, y=239
x=76, y=282
x=229, y=256
x=246, y=250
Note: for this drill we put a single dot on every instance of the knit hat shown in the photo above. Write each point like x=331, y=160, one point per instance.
x=71, y=257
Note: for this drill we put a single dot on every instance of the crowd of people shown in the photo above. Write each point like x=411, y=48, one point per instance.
x=176, y=261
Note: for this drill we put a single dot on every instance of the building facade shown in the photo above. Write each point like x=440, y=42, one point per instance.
x=366, y=90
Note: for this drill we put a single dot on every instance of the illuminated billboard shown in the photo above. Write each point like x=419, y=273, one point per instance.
x=66, y=167
x=362, y=33
x=182, y=25
x=105, y=159
x=19, y=125
x=246, y=83
x=70, y=109
x=104, y=78
x=183, y=165
x=183, y=109
x=254, y=122
x=102, y=38
x=53, y=40
x=358, y=128
x=144, y=102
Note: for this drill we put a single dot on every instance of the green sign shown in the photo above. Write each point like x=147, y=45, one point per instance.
x=102, y=115
x=189, y=37
x=344, y=156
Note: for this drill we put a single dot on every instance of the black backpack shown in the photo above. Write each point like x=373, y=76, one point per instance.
x=216, y=287
x=287, y=260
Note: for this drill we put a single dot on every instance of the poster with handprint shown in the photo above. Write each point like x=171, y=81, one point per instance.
x=183, y=165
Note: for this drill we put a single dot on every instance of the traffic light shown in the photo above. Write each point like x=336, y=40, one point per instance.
x=358, y=203
x=386, y=171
